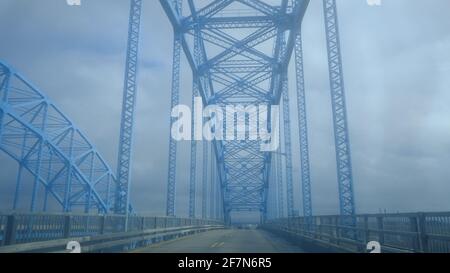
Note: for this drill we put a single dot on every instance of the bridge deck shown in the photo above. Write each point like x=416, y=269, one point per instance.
x=226, y=241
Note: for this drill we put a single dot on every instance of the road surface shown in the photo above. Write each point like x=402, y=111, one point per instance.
x=226, y=241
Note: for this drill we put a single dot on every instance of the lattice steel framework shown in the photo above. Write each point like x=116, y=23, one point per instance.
x=128, y=110
x=205, y=180
x=65, y=166
x=280, y=193
x=303, y=128
x=175, y=100
x=342, y=141
x=239, y=52
x=288, y=150
x=239, y=69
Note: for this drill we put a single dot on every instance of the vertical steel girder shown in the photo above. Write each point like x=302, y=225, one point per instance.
x=205, y=180
x=193, y=161
x=175, y=100
x=239, y=70
x=273, y=192
x=50, y=148
x=212, y=184
x=128, y=111
x=193, y=167
x=342, y=142
x=303, y=128
x=288, y=149
x=280, y=188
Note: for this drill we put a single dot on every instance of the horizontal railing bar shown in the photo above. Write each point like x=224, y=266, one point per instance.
x=20, y=228
x=100, y=241
x=403, y=232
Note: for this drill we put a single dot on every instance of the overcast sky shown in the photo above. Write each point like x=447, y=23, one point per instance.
x=397, y=75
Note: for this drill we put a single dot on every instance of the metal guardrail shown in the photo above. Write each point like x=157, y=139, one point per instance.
x=405, y=232
x=115, y=242
x=20, y=228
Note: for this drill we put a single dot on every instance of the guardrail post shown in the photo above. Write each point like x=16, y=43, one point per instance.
x=142, y=223
x=366, y=229
x=102, y=224
x=366, y=235
x=423, y=237
x=380, y=225
x=320, y=227
x=11, y=230
x=414, y=223
x=337, y=230
x=67, y=226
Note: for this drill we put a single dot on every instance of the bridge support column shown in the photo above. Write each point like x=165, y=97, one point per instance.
x=11, y=230
x=280, y=187
x=303, y=128
x=175, y=100
x=288, y=148
x=205, y=179
x=122, y=204
x=212, y=184
x=342, y=141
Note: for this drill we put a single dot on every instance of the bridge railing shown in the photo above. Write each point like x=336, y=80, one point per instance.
x=19, y=228
x=409, y=232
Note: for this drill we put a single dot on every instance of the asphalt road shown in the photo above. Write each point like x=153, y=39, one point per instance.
x=226, y=241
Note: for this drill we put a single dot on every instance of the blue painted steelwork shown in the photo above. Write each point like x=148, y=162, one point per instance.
x=244, y=67
x=303, y=129
x=205, y=180
x=342, y=142
x=287, y=145
x=239, y=69
x=280, y=188
x=193, y=167
x=128, y=111
x=212, y=184
x=272, y=210
x=48, y=146
x=175, y=100
x=288, y=150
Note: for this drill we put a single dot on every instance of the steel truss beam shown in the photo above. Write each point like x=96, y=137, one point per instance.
x=48, y=146
x=342, y=141
x=205, y=180
x=128, y=111
x=175, y=100
x=303, y=129
x=243, y=70
x=288, y=149
x=193, y=161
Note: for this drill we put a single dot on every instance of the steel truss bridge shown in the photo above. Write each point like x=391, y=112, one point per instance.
x=239, y=53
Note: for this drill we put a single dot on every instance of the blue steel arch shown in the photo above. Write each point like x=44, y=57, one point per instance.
x=46, y=143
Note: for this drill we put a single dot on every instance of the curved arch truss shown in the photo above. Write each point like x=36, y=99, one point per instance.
x=64, y=165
